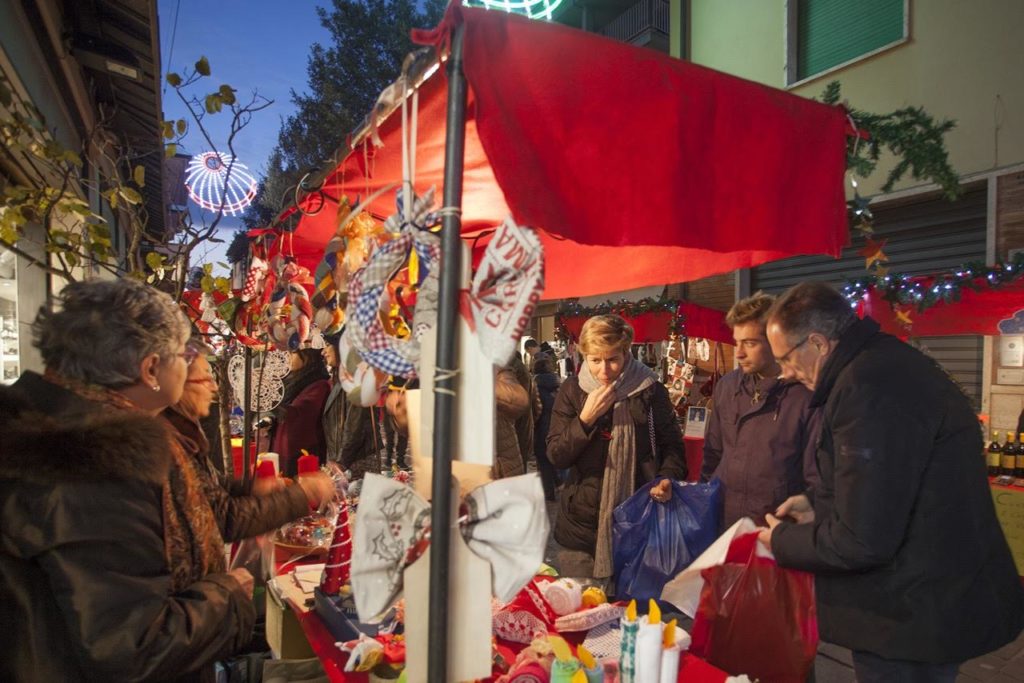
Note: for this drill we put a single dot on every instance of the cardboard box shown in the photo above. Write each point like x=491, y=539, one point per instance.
x=284, y=634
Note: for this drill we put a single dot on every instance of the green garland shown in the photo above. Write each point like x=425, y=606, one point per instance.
x=902, y=289
x=627, y=309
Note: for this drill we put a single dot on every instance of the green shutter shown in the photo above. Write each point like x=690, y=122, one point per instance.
x=830, y=32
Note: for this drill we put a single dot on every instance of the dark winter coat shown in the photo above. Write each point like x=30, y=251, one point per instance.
x=584, y=452
x=84, y=584
x=299, y=426
x=910, y=560
x=513, y=434
x=350, y=434
x=238, y=515
x=763, y=452
x=547, y=387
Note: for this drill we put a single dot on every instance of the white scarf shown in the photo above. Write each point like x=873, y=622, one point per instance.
x=620, y=467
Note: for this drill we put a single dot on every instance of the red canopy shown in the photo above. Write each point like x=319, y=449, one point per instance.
x=604, y=145
x=986, y=311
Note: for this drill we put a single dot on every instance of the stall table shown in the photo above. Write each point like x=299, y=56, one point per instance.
x=1009, y=502
x=691, y=668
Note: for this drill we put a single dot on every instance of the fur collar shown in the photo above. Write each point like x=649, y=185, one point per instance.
x=78, y=441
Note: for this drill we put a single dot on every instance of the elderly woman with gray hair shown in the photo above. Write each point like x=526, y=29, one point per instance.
x=111, y=562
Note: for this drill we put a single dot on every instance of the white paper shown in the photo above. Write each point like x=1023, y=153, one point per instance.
x=1011, y=351
x=696, y=422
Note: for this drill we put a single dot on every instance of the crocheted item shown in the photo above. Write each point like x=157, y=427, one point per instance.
x=564, y=596
x=589, y=618
x=604, y=641
x=527, y=614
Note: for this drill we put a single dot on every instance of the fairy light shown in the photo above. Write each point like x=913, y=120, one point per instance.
x=211, y=187
x=532, y=9
x=902, y=289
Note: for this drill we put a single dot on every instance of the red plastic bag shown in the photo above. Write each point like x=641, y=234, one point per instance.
x=756, y=618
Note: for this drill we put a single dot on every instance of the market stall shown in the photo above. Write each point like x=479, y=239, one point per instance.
x=661, y=181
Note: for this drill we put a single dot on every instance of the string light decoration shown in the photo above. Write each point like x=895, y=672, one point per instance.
x=627, y=309
x=211, y=187
x=532, y=9
x=922, y=294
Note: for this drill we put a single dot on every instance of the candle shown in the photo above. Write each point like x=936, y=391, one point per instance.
x=308, y=463
x=627, y=658
x=669, y=655
x=648, y=647
x=593, y=670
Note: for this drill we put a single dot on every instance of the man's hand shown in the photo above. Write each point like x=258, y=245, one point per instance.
x=318, y=488
x=242, y=575
x=765, y=534
x=796, y=507
x=662, y=491
x=598, y=402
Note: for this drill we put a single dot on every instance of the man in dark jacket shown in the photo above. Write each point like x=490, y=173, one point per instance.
x=913, y=572
x=761, y=433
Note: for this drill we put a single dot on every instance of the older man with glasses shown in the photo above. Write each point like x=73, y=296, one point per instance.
x=913, y=572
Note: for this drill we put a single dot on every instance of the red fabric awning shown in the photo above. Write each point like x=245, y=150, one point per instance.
x=986, y=311
x=699, y=321
x=603, y=145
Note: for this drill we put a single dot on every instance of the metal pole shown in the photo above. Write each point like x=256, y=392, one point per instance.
x=444, y=382
x=246, y=421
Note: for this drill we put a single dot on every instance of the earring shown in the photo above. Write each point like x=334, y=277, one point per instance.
x=156, y=387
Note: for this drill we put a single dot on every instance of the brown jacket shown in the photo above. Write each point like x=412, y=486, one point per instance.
x=84, y=583
x=570, y=445
x=238, y=515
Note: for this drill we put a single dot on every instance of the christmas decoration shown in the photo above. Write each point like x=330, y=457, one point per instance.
x=339, y=558
x=872, y=253
x=626, y=309
x=533, y=9
x=923, y=293
x=212, y=187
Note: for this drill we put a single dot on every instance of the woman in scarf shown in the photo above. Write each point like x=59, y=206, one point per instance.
x=299, y=426
x=613, y=427
x=348, y=427
x=238, y=515
x=111, y=562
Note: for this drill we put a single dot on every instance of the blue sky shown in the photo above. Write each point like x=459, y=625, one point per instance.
x=251, y=45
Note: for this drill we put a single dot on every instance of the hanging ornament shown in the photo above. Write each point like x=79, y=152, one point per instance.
x=267, y=377
x=219, y=182
x=873, y=252
x=289, y=313
x=903, y=316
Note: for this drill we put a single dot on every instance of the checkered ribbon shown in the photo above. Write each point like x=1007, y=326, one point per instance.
x=365, y=331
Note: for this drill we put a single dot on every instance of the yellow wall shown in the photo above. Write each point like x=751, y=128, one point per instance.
x=960, y=56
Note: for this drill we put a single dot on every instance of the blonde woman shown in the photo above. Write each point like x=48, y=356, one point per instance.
x=614, y=428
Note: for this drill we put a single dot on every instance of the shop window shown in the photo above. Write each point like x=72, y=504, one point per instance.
x=9, y=317
x=826, y=34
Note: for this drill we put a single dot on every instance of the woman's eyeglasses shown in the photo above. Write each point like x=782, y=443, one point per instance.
x=189, y=354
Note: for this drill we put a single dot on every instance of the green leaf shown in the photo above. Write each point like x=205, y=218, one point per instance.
x=203, y=67
x=227, y=93
x=181, y=126
x=168, y=130
x=154, y=260
x=131, y=196
x=139, y=175
x=173, y=79
x=223, y=285
x=112, y=199
x=71, y=157
x=208, y=268
x=170, y=150
x=72, y=258
x=206, y=284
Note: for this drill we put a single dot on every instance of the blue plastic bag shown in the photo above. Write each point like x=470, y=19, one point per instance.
x=652, y=542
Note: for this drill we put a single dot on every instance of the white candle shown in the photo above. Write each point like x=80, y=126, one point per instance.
x=669, y=664
x=648, y=652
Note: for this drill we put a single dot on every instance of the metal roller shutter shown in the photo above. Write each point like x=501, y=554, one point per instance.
x=924, y=236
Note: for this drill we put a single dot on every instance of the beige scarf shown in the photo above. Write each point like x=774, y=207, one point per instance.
x=620, y=467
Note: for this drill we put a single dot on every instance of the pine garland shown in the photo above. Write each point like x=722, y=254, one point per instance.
x=902, y=289
x=627, y=309
x=914, y=137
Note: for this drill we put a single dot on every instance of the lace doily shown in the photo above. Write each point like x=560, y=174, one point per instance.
x=267, y=378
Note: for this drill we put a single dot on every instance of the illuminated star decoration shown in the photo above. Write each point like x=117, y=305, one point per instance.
x=532, y=9
x=872, y=252
x=212, y=187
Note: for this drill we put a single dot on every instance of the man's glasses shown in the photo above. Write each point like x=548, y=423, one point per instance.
x=784, y=359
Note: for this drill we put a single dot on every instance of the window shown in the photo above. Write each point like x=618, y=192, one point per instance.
x=8, y=318
x=826, y=34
